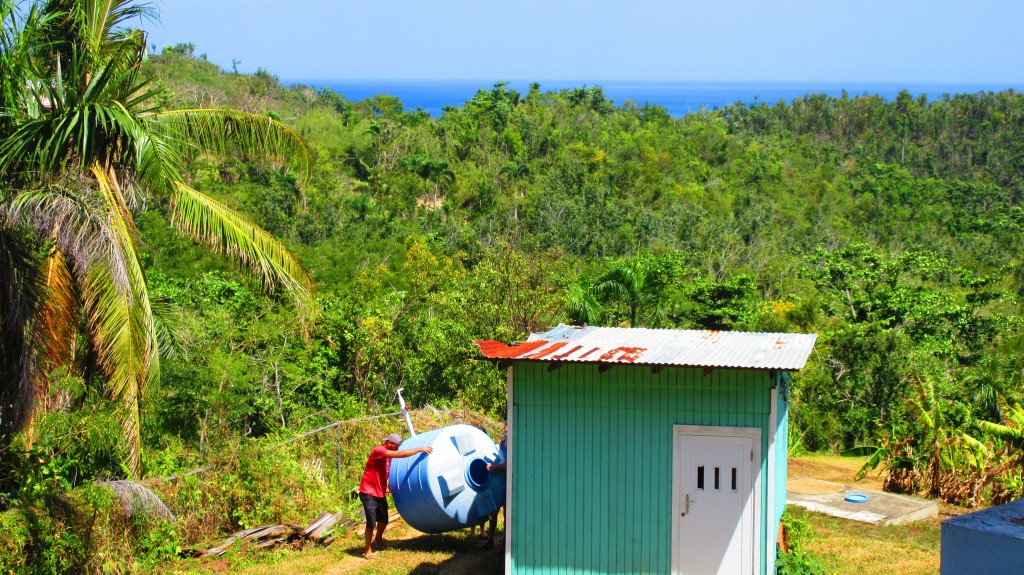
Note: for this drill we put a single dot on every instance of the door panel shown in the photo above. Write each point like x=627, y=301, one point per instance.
x=714, y=523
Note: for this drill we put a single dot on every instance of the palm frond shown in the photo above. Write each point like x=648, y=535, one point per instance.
x=118, y=328
x=93, y=27
x=167, y=337
x=101, y=22
x=115, y=200
x=90, y=117
x=75, y=219
x=581, y=305
x=612, y=287
x=219, y=131
x=160, y=164
x=56, y=323
x=20, y=35
x=137, y=499
x=226, y=231
x=121, y=325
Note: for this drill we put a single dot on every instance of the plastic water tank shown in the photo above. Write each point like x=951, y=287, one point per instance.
x=450, y=488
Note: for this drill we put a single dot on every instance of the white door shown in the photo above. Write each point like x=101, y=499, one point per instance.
x=714, y=500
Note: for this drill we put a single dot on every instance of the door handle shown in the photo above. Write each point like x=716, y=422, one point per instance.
x=686, y=506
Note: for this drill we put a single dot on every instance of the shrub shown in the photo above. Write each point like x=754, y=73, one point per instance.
x=797, y=560
x=15, y=541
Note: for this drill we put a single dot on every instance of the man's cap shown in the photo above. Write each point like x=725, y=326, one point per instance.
x=394, y=438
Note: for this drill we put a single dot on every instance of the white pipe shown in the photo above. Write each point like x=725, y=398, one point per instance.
x=405, y=411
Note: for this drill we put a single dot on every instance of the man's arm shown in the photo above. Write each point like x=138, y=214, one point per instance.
x=408, y=452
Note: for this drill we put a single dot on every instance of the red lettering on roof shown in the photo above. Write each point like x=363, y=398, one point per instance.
x=568, y=353
x=628, y=354
x=551, y=349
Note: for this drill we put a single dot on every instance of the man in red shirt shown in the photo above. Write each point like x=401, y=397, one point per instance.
x=374, y=487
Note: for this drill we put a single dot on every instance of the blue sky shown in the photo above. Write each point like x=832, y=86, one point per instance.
x=893, y=41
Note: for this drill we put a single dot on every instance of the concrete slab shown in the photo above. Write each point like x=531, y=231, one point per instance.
x=881, y=508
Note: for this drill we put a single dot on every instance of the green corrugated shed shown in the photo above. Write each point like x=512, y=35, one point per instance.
x=593, y=460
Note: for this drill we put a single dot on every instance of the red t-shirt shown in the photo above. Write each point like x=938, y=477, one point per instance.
x=375, y=477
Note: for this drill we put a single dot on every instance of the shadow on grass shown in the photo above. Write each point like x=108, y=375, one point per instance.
x=468, y=556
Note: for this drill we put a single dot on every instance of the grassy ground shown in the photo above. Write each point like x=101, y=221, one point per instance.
x=849, y=547
x=853, y=548
x=845, y=547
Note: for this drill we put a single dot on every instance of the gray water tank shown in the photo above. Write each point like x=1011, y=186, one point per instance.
x=988, y=542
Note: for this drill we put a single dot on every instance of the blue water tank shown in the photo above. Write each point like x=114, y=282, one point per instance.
x=450, y=488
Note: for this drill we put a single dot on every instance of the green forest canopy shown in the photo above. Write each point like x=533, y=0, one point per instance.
x=890, y=228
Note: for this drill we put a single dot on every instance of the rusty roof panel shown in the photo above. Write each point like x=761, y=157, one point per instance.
x=641, y=346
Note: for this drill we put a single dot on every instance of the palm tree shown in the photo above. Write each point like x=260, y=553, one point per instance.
x=514, y=172
x=82, y=144
x=638, y=282
x=430, y=170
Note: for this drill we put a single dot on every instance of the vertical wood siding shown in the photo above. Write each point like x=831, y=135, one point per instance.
x=593, y=460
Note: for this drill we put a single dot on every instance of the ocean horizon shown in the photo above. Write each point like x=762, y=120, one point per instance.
x=679, y=98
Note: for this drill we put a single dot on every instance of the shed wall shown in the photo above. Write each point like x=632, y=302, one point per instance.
x=781, y=451
x=592, y=460
x=781, y=470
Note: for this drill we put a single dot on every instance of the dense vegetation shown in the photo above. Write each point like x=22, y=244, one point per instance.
x=890, y=228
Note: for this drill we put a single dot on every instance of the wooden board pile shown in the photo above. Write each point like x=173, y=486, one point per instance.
x=319, y=531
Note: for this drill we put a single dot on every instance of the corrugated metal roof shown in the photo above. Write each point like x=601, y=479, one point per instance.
x=641, y=346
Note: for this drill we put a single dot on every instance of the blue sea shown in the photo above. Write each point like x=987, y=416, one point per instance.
x=679, y=98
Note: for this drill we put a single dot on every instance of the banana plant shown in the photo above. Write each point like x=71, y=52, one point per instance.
x=1010, y=438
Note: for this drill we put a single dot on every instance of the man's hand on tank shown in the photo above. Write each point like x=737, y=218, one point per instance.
x=427, y=449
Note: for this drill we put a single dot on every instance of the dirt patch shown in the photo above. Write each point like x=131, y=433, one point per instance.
x=409, y=551
x=834, y=468
x=413, y=552
x=813, y=486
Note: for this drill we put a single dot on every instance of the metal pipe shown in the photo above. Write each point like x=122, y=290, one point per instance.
x=405, y=411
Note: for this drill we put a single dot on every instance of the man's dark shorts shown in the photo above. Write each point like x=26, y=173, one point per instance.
x=376, y=509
